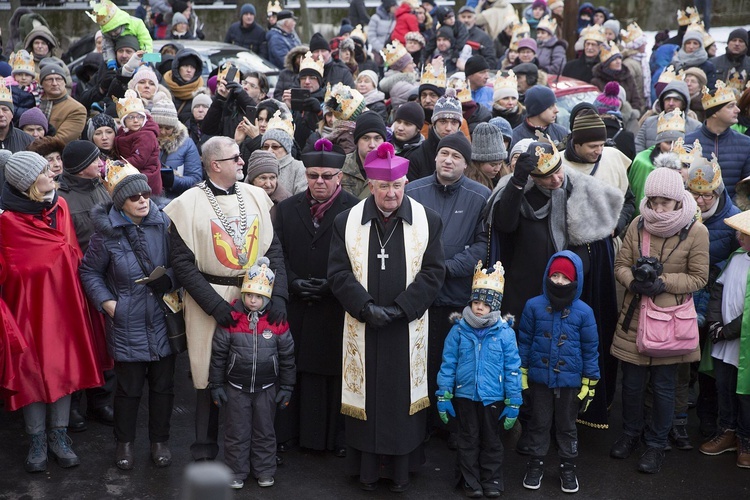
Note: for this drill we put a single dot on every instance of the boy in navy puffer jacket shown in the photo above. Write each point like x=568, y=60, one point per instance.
x=248, y=362
x=559, y=346
x=481, y=364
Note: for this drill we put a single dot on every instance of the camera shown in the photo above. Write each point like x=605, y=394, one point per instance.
x=647, y=269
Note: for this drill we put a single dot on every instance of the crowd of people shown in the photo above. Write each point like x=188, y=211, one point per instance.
x=402, y=238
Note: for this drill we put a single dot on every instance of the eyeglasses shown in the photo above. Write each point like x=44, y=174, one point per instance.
x=137, y=197
x=275, y=147
x=706, y=197
x=235, y=158
x=325, y=177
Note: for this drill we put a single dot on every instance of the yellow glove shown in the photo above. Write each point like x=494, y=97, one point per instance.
x=586, y=394
x=525, y=378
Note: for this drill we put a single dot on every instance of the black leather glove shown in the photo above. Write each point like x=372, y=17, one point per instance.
x=375, y=316
x=525, y=164
x=309, y=287
x=167, y=177
x=284, y=396
x=234, y=88
x=277, y=311
x=160, y=285
x=311, y=104
x=648, y=289
x=222, y=313
x=218, y=395
x=716, y=331
x=106, y=80
x=394, y=312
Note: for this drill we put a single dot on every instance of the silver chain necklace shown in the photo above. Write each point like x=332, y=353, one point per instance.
x=382, y=255
x=238, y=237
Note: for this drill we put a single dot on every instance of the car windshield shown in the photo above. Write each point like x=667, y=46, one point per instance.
x=566, y=103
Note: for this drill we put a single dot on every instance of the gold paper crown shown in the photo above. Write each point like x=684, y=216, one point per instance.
x=259, y=279
x=349, y=101
x=278, y=122
x=547, y=24
x=723, y=95
x=678, y=148
x=594, y=33
x=521, y=29
x=393, y=52
x=22, y=62
x=457, y=82
x=705, y=176
x=5, y=93
x=688, y=16
x=513, y=43
x=506, y=82
x=736, y=81
x=358, y=32
x=708, y=40
x=273, y=7
x=608, y=50
x=633, y=33
x=430, y=78
x=225, y=69
x=309, y=63
x=546, y=162
x=493, y=281
x=117, y=170
x=511, y=18
x=103, y=12
x=131, y=103
x=672, y=121
x=667, y=75
x=696, y=26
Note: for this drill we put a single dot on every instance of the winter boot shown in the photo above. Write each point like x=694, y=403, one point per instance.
x=568, y=479
x=624, y=446
x=534, y=474
x=36, y=460
x=725, y=440
x=651, y=460
x=743, y=452
x=58, y=445
x=678, y=434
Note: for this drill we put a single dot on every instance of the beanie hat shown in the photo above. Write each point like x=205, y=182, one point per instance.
x=5, y=69
x=178, y=18
x=740, y=33
x=527, y=43
x=163, y=111
x=665, y=183
x=369, y=74
x=78, y=155
x=410, y=112
x=487, y=143
x=588, y=127
x=521, y=146
x=458, y=142
x=201, y=100
x=448, y=106
x=4, y=155
x=415, y=36
x=368, y=122
x=556, y=4
x=699, y=74
x=387, y=4
x=475, y=64
x=608, y=100
x=143, y=73
x=446, y=32
x=99, y=121
x=539, y=4
x=278, y=135
x=22, y=169
x=538, y=98
x=129, y=186
x=33, y=116
x=613, y=25
x=692, y=35
x=247, y=8
x=51, y=69
x=346, y=27
x=317, y=42
x=261, y=162
x=129, y=41
x=504, y=126
x=564, y=266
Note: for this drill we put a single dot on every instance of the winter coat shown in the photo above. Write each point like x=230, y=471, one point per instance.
x=514, y=117
x=556, y=132
x=634, y=66
x=406, y=21
x=380, y=28
x=68, y=116
x=252, y=37
x=252, y=357
x=22, y=101
x=623, y=139
x=660, y=59
x=474, y=114
x=494, y=17
x=15, y=140
x=580, y=68
x=82, y=196
x=708, y=68
x=353, y=180
x=138, y=332
x=279, y=44
x=559, y=347
x=289, y=76
x=141, y=149
x=292, y=174
x=731, y=149
x=225, y=113
x=422, y=158
x=486, y=369
x=358, y=13
x=685, y=272
x=551, y=55
x=646, y=136
x=724, y=63
x=486, y=47
x=178, y=152
x=626, y=80
x=722, y=238
x=337, y=72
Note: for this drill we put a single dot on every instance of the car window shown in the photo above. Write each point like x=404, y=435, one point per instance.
x=566, y=103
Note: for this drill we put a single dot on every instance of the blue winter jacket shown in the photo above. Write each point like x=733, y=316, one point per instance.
x=181, y=152
x=486, y=370
x=732, y=150
x=559, y=347
x=279, y=43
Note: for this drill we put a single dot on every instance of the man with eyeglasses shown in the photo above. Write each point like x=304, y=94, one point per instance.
x=66, y=114
x=304, y=225
x=219, y=229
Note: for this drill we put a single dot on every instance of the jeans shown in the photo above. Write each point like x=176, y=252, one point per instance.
x=734, y=409
x=35, y=415
x=663, y=380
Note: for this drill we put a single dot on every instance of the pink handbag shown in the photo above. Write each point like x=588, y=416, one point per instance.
x=666, y=331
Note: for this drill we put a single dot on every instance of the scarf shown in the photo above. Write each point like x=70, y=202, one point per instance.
x=615, y=75
x=668, y=224
x=555, y=211
x=183, y=91
x=318, y=209
x=485, y=321
x=373, y=96
x=561, y=296
x=711, y=211
x=572, y=156
x=684, y=60
x=15, y=201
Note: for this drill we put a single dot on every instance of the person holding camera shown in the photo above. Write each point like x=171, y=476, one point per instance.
x=664, y=257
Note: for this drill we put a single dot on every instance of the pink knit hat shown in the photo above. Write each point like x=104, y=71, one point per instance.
x=609, y=99
x=665, y=183
x=143, y=73
x=527, y=43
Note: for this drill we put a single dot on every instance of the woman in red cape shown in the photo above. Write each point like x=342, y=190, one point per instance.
x=44, y=294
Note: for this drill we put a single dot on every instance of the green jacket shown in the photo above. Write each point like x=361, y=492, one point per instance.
x=743, y=368
x=637, y=173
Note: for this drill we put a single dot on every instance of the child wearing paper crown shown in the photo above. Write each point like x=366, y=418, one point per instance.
x=559, y=345
x=137, y=141
x=114, y=23
x=252, y=371
x=481, y=369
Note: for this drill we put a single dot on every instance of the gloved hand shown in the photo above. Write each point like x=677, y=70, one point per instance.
x=112, y=64
x=167, y=177
x=445, y=406
x=375, y=315
x=160, y=285
x=716, y=331
x=284, y=396
x=394, y=312
x=524, y=378
x=648, y=289
x=311, y=104
x=586, y=395
x=218, y=395
x=510, y=412
x=222, y=313
x=234, y=88
x=308, y=287
x=525, y=164
x=277, y=311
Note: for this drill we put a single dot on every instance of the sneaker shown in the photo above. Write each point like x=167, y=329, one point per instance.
x=59, y=446
x=722, y=442
x=568, y=479
x=679, y=436
x=265, y=481
x=534, y=474
x=237, y=484
x=36, y=460
x=743, y=452
x=624, y=446
x=651, y=460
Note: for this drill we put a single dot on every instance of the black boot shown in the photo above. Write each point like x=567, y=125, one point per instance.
x=624, y=446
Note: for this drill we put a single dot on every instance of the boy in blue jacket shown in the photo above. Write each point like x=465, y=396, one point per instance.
x=481, y=367
x=559, y=345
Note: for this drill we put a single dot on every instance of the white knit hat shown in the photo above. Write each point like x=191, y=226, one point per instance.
x=163, y=111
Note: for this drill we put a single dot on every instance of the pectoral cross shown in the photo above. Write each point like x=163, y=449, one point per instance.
x=382, y=256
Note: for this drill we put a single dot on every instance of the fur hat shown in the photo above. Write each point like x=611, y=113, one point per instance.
x=22, y=169
x=487, y=143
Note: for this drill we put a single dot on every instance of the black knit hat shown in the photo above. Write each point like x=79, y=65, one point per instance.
x=367, y=122
x=458, y=142
x=740, y=33
x=588, y=127
x=446, y=32
x=78, y=155
x=475, y=64
x=410, y=112
x=127, y=41
x=317, y=42
x=129, y=186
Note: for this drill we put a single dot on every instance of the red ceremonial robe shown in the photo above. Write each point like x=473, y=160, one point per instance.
x=44, y=294
x=12, y=347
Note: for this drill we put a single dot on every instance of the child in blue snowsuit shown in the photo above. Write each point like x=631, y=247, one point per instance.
x=480, y=374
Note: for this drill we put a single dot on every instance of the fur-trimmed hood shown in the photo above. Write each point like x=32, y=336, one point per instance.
x=172, y=143
x=391, y=78
x=299, y=50
x=455, y=317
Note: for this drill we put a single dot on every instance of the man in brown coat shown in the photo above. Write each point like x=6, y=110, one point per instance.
x=66, y=114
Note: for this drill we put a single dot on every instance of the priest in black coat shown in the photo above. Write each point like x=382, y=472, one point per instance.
x=386, y=267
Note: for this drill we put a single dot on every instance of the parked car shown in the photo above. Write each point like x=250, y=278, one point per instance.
x=570, y=92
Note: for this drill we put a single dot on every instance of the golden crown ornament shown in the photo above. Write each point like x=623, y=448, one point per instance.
x=721, y=96
x=117, y=170
x=358, y=32
x=506, y=82
x=736, y=81
x=705, y=175
x=22, y=62
x=308, y=62
x=547, y=24
x=672, y=121
x=429, y=77
x=259, y=279
x=5, y=93
x=393, y=52
x=280, y=123
x=594, y=33
x=103, y=12
x=274, y=7
x=457, y=81
x=546, y=162
x=633, y=33
x=688, y=16
x=685, y=156
x=347, y=102
x=608, y=50
x=521, y=29
x=667, y=75
x=492, y=281
x=131, y=103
